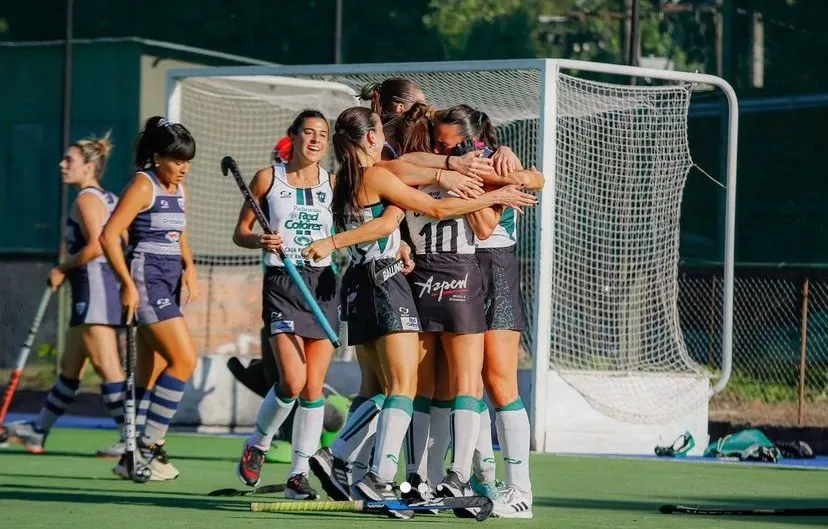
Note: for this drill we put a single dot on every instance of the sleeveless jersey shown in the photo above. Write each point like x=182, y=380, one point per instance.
x=504, y=234
x=385, y=248
x=432, y=236
x=300, y=214
x=157, y=229
x=73, y=233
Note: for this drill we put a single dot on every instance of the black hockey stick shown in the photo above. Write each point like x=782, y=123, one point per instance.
x=138, y=472
x=735, y=511
x=266, y=489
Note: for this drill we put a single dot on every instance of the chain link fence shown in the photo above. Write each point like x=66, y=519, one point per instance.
x=780, y=342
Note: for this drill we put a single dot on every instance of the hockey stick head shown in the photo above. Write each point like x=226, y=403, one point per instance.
x=229, y=164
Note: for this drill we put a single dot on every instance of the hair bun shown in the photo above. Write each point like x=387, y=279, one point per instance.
x=368, y=91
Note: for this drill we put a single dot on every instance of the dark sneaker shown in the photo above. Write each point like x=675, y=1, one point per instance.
x=453, y=487
x=417, y=491
x=333, y=473
x=371, y=488
x=298, y=488
x=249, y=469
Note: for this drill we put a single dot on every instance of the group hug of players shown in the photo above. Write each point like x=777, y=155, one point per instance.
x=425, y=203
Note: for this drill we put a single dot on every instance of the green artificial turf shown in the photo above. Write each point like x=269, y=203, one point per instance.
x=67, y=487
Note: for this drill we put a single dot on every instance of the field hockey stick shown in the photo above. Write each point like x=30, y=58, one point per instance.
x=732, y=511
x=266, y=489
x=138, y=473
x=229, y=164
x=23, y=355
x=482, y=503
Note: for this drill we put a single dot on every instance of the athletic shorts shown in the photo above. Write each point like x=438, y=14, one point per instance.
x=284, y=309
x=158, y=278
x=376, y=300
x=96, y=295
x=448, y=291
x=501, y=284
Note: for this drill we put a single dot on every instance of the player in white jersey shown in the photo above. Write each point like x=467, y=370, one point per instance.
x=95, y=300
x=377, y=301
x=458, y=129
x=295, y=195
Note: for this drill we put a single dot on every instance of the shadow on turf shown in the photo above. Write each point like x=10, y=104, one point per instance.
x=50, y=494
x=651, y=507
x=60, y=453
x=136, y=488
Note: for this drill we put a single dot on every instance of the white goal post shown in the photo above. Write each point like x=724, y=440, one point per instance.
x=598, y=255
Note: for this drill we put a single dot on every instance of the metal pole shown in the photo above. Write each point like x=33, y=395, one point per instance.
x=803, y=352
x=635, y=34
x=338, y=33
x=64, y=189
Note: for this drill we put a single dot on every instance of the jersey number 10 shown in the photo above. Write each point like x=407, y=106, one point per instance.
x=438, y=244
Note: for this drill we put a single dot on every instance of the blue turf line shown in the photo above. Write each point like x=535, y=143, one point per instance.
x=106, y=423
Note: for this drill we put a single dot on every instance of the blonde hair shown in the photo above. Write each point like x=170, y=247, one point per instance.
x=96, y=150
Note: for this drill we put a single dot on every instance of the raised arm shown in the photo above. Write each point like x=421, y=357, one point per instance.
x=529, y=179
x=381, y=182
x=244, y=235
x=484, y=222
x=372, y=230
x=418, y=175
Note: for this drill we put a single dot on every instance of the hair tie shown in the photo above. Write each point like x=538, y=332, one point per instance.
x=284, y=149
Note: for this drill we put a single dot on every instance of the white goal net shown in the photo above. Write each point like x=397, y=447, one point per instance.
x=621, y=157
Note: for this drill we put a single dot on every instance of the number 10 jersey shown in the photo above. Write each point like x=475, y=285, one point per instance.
x=432, y=236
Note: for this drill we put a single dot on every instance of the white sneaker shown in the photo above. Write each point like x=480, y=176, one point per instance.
x=24, y=433
x=115, y=450
x=514, y=503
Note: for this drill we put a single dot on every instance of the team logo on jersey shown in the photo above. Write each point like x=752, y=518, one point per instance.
x=181, y=203
x=163, y=204
x=80, y=307
x=434, y=194
x=454, y=290
x=172, y=236
x=320, y=196
x=302, y=240
x=285, y=194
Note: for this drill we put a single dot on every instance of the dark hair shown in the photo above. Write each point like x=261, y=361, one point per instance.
x=284, y=148
x=351, y=126
x=414, y=130
x=473, y=124
x=392, y=91
x=163, y=138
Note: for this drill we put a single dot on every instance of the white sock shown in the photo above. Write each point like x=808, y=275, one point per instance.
x=513, y=434
x=357, y=427
x=361, y=462
x=439, y=439
x=307, y=428
x=416, y=440
x=392, y=426
x=484, y=460
x=465, y=425
x=272, y=413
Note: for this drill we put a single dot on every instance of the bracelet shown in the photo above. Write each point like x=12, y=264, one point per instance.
x=333, y=241
x=439, y=174
x=447, y=162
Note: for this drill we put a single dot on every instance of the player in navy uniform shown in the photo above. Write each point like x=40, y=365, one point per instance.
x=457, y=129
x=160, y=261
x=377, y=301
x=295, y=194
x=95, y=299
